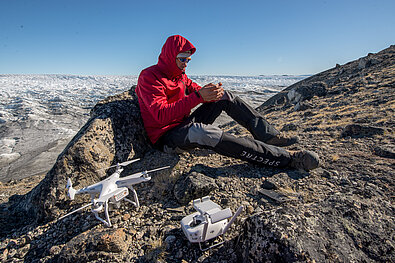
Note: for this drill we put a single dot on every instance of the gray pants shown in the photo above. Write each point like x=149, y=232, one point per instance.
x=197, y=131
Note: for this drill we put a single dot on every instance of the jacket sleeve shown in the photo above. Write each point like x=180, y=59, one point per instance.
x=152, y=93
x=192, y=86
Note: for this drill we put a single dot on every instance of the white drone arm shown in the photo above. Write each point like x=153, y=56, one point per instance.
x=133, y=179
x=120, y=164
x=137, y=177
x=75, y=211
x=91, y=189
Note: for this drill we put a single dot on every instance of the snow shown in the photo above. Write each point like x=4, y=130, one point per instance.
x=7, y=158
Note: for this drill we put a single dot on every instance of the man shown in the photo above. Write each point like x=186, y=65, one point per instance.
x=166, y=96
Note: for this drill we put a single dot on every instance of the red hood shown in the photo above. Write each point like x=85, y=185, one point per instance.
x=167, y=58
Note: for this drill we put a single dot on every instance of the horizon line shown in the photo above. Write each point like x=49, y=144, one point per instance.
x=126, y=75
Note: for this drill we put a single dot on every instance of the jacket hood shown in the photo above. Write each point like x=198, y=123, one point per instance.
x=167, y=58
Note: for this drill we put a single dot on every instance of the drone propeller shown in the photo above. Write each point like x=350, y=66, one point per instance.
x=136, y=175
x=158, y=169
x=120, y=164
x=75, y=211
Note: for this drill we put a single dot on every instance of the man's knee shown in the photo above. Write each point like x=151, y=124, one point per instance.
x=229, y=96
x=205, y=135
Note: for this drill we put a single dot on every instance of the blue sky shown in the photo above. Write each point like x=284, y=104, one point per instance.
x=231, y=37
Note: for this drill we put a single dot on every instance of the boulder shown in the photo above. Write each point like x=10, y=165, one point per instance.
x=357, y=130
x=386, y=151
x=338, y=229
x=295, y=95
x=114, y=133
x=94, y=244
x=192, y=186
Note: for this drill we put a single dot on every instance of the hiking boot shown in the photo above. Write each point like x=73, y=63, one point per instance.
x=282, y=141
x=305, y=160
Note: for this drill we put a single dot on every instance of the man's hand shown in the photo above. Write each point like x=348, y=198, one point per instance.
x=211, y=92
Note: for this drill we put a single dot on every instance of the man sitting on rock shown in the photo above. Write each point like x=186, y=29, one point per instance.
x=166, y=97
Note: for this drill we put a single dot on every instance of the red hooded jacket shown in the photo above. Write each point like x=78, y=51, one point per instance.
x=166, y=95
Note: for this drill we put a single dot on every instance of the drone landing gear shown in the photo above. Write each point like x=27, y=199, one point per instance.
x=96, y=211
x=211, y=243
x=116, y=201
x=136, y=199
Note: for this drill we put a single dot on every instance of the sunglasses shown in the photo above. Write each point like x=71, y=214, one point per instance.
x=184, y=60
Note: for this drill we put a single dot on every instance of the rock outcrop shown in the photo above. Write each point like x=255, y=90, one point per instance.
x=360, y=73
x=114, y=133
x=340, y=212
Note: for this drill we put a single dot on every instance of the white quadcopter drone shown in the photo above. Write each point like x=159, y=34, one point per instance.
x=111, y=190
x=210, y=221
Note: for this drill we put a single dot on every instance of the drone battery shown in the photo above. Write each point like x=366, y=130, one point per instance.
x=120, y=194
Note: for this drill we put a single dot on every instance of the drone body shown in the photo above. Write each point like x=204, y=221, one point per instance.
x=111, y=190
x=209, y=222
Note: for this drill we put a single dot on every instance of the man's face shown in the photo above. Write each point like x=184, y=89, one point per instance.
x=182, y=65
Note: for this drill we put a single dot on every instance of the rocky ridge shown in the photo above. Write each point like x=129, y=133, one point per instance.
x=340, y=212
